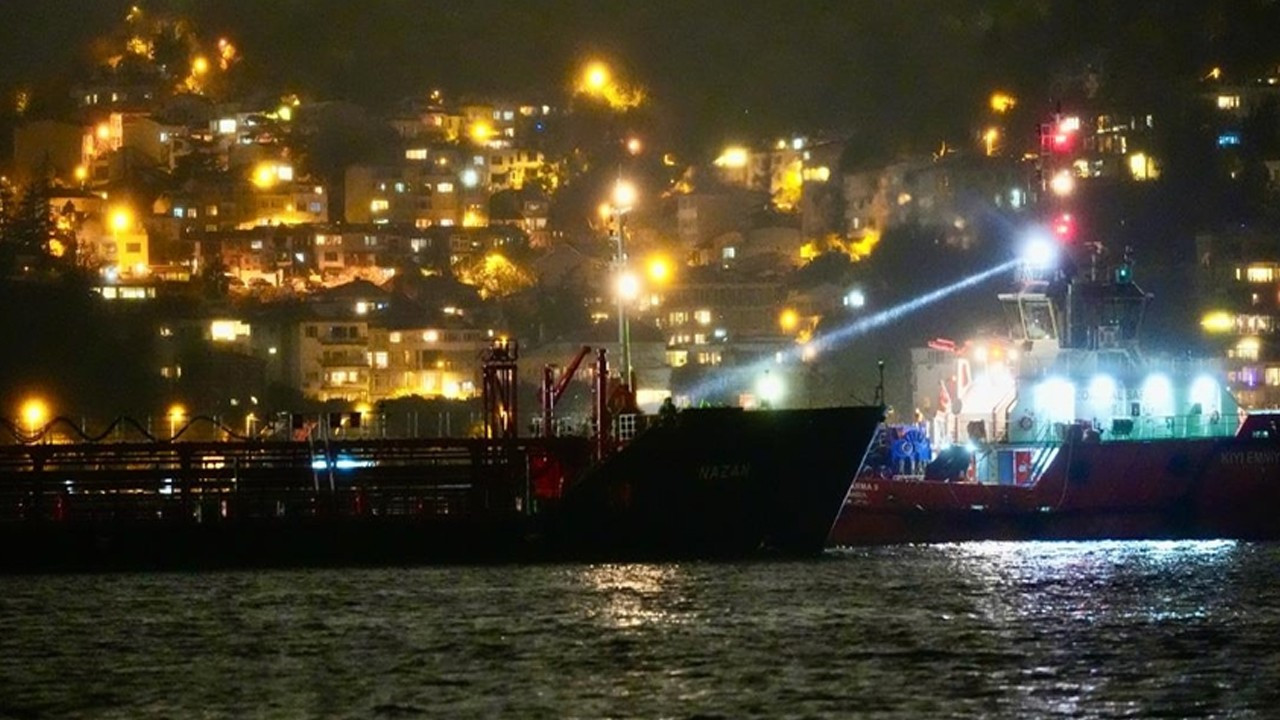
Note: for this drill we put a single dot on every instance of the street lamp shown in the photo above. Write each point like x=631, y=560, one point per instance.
x=34, y=413
x=176, y=413
x=595, y=78
x=624, y=198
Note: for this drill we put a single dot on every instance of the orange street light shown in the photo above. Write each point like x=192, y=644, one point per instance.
x=659, y=269
x=789, y=320
x=35, y=413
x=121, y=219
x=176, y=414
x=596, y=77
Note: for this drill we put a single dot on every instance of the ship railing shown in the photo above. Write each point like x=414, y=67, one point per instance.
x=204, y=482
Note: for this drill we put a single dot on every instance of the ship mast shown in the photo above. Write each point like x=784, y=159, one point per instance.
x=1055, y=303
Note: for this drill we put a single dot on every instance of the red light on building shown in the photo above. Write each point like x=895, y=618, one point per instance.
x=1061, y=142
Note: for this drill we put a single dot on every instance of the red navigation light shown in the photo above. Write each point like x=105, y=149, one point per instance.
x=1061, y=142
x=1064, y=227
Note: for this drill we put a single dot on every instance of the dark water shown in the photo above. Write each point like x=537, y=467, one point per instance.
x=1004, y=630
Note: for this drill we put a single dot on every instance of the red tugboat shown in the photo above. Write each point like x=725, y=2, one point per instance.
x=1064, y=430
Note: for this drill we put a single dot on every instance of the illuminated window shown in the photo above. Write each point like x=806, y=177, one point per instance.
x=1248, y=349
x=444, y=187
x=415, y=154
x=1261, y=274
x=380, y=360
x=379, y=206
x=284, y=172
x=430, y=336
x=1228, y=102
x=395, y=337
x=703, y=317
x=1273, y=376
x=227, y=126
x=227, y=330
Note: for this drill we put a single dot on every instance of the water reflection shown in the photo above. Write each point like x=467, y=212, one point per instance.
x=1088, y=581
x=628, y=596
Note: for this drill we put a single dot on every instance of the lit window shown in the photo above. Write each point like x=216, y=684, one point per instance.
x=415, y=154
x=1261, y=274
x=380, y=360
x=703, y=317
x=444, y=187
x=379, y=206
x=395, y=337
x=284, y=172
x=1228, y=102
x=227, y=330
x=430, y=336
x=227, y=126
x=1248, y=349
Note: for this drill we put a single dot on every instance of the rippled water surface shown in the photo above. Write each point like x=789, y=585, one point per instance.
x=1007, y=630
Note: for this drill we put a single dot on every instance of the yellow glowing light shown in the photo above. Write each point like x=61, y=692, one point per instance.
x=121, y=219
x=596, y=77
x=733, y=157
x=200, y=65
x=598, y=82
x=481, y=132
x=285, y=113
x=1218, y=322
x=624, y=195
x=659, y=269
x=35, y=413
x=264, y=176
x=104, y=131
x=605, y=210
x=177, y=412
x=634, y=146
x=82, y=173
x=1063, y=183
x=990, y=138
x=1002, y=102
x=789, y=320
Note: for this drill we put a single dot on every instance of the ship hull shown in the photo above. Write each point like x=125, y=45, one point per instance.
x=713, y=483
x=721, y=483
x=1164, y=489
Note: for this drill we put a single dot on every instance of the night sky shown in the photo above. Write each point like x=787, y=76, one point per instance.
x=902, y=73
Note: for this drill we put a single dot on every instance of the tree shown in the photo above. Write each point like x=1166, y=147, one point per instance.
x=32, y=227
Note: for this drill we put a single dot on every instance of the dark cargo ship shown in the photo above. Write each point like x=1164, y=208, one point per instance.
x=700, y=483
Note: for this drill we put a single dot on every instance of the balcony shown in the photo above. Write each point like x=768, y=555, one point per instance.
x=343, y=340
